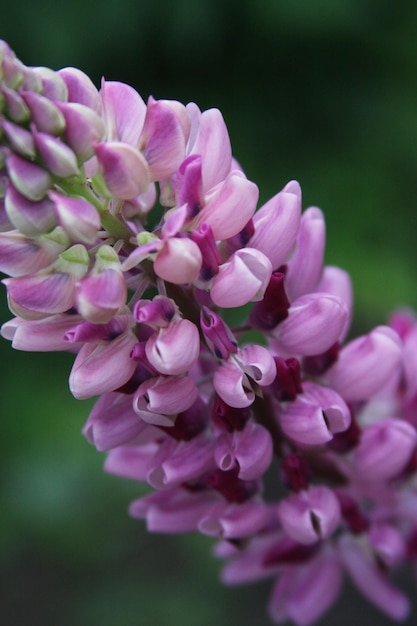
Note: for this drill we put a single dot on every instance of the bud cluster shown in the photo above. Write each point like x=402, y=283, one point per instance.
x=127, y=230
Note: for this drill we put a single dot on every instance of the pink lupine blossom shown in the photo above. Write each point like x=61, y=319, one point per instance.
x=188, y=402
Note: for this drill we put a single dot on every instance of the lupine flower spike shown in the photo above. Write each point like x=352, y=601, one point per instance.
x=185, y=402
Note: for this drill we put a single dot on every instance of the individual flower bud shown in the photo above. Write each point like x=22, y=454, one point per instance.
x=113, y=422
x=239, y=378
x=103, y=292
x=32, y=218
x=124, y=169
x=173, y=511
x=273, y=308
x=384, y=449
x=179, y=261
x=276, y=225
x=229, y=206
x=189, y=185
x=204, y=238
x=235, y=521
x=58, y=157
x=30, y=179
x=35, y=294
x=310, y=515
x=159, y=400
x=305, y=266
x=124, y=112
x=17, y=109
x=314, y=416
x=388, y=543
x=370, y=579
x=175, y=349
x=53, y=86
x=162, y=139
x=39, y=335
x=20, y=139
x=250, y=449
x=304, y=594
x=45, y=114
x=102, y=367
x=338, y=283
x=20, y=255
x=366, y=364
x=88, y=332
x=217, y=334
x=314, y=323
x=157, y=313
x=211, y=141
x=78, y=217
x=83, y=128
x=52, y=290
x=410, y=363
x=185, y=461
x=242, y=279
x=80, y=88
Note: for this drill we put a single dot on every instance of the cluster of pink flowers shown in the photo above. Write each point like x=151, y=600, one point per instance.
x=127, y=230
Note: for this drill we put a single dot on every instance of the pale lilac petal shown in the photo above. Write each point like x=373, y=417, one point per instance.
x=20, y=255
x=366, y=364
x=410, y=362
x=213, y=143
x=124, y=168
x=78, y=217
x=162, y=140
x=228, y=381
x=242, y=279
x=58, y=157
x=102, y=368
x=304, y=594
x=314, y=324
x=310, y=515
x=276, y=225
x=258, y=364
x=80, y=88
x=175, y=511
x=179, y=261
x=235, y=521
x=131, y=461
x=43, y=335
x=189, y=460
x=229, y=206
x=100, y=296
x=113, y=422
x=42, y=293
x=83, y=128
x=384, y=449
x=45, y=114
x=123, y=112
x=371, y=581
x=30, y=179
x=337, y=282
x=388, y=543
x=32, y=218
x=305, y=266
x=174, y=350
x=159, y=400
x=251, y=448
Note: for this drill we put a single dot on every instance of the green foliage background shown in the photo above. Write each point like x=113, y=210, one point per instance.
x=324, y=91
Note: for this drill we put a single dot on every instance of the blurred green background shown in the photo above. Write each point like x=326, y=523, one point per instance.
x=324, y=91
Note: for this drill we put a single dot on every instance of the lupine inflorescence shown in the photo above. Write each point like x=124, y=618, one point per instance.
x=128, y=230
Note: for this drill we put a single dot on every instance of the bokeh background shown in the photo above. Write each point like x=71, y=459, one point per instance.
x=324, y=91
